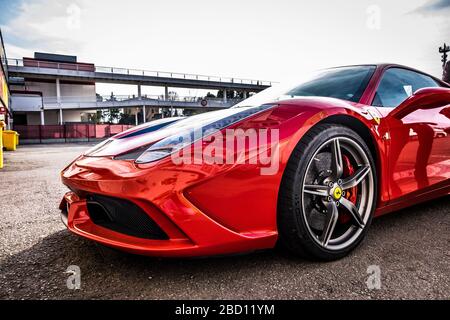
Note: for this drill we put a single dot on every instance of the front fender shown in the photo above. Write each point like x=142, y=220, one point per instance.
x=363, y=119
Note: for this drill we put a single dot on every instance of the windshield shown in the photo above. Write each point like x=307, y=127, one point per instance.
x=346, y=83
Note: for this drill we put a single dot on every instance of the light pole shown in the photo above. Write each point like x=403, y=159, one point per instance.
x=444, y=50
x=445, y=65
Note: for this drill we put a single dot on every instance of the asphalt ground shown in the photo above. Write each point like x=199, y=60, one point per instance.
x=409, y=248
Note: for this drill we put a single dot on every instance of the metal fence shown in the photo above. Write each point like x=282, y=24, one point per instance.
x=144, y=97
x=127, y=71
x=68, y=132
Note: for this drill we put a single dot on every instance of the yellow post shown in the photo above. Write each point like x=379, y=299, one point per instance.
x=2, y=125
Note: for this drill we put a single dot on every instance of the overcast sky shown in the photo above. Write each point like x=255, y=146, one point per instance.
x=269, y=40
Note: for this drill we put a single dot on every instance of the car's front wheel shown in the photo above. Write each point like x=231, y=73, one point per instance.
x=328, y=193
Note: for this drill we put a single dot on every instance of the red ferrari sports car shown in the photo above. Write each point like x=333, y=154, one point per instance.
x=307, y=166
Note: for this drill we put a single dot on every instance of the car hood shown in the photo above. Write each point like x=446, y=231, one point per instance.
x=149, y=133
x=152, y=132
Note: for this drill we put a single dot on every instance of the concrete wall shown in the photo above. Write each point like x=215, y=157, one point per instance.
x=33, y=118
x=67, y=90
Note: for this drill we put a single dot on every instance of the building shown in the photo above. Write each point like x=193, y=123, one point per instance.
x=5, y=113
x=31, y=96
x=53, y=89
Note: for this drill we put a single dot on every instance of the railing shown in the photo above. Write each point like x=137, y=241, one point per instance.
x=69, y=102
x=136, y=72
x=132, y=97
x=68, y=132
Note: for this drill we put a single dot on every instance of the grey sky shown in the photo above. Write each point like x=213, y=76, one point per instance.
x=273, y=40
x=435, y=5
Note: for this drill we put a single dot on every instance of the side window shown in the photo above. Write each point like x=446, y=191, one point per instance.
x=398, y=84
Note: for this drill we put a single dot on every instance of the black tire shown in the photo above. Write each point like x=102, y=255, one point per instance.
x=294, y=233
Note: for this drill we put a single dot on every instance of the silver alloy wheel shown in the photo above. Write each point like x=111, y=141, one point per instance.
x=325, y=191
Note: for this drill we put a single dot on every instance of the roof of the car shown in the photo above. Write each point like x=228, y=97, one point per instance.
x=386, y=65
x=378, y=65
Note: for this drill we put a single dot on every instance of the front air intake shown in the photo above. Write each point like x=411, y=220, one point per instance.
x=123, y=216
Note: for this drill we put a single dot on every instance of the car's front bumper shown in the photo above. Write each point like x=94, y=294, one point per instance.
x=159, y=192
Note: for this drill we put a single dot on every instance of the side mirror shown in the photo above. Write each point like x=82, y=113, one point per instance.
x=425, y=98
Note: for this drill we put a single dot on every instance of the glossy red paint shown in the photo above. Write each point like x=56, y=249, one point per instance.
x=221, y=209
x=417, y=140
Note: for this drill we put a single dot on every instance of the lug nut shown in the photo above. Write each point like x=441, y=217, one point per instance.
x=329, y=199
x=337, y=203
x=339, y=182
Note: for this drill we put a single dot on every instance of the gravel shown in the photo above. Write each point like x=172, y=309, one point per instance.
x=411, y=248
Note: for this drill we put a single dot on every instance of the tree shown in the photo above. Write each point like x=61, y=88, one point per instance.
x=95, y=117
x=99, y=116
x=231, y=94
x=127, y=118
x=111, y=115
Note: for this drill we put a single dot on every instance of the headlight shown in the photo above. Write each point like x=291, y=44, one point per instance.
x=192, y=133
x=98, y=147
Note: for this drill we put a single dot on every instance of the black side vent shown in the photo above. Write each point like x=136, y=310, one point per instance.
x=124, y=217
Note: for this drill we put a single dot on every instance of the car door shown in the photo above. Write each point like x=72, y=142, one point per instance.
x=418, y=142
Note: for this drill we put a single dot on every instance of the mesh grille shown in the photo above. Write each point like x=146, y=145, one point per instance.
x=124, y=217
